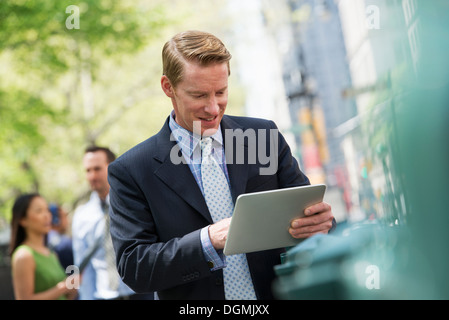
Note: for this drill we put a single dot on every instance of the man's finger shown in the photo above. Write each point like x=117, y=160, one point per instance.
x=326, y=225
x=312, y=220
x=309, y=234
x=316, y=208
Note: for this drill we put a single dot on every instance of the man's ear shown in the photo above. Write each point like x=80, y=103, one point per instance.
x=167, y=87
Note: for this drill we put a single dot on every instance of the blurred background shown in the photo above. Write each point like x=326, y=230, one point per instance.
x=359, y=88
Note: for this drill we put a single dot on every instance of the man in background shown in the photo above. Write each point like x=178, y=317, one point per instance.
x=90, y=233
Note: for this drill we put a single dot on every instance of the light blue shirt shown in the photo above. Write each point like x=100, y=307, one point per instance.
x=87, y=227
x=189, y=143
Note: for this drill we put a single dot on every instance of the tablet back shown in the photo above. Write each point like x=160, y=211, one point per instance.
x=261, y=219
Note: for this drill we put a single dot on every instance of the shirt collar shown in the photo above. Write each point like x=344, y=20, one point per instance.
x=186, y=139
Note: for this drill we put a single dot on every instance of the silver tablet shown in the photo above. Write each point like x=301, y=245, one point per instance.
x=261, y=219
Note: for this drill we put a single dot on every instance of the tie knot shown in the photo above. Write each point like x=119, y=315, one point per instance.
x=206, y=146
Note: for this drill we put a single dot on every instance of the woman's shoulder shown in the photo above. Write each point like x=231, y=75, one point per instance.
x=22, y=253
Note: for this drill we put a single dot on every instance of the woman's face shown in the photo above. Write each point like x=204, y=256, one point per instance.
x=38, y=217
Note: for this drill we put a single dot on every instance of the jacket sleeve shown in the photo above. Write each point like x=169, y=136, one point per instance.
x=145, y=263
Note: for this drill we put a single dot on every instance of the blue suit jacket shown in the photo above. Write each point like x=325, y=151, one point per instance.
x=158, y=210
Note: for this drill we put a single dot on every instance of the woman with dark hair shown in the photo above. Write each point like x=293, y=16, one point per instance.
x=36, y=271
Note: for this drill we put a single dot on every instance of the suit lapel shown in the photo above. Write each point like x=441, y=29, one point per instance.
x=178, y=177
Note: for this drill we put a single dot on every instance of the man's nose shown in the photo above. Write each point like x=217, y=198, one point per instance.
x=212, y=106
x=90, y=175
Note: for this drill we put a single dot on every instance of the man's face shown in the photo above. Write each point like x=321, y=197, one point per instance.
x=96, y=166
x=202, y=96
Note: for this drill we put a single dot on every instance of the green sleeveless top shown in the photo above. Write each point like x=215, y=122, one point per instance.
x=48, y=270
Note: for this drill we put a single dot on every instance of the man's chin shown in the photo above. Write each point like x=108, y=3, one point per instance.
x=207, y=128
x=209, y=132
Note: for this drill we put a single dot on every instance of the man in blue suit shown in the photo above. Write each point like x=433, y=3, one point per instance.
x=164, y=234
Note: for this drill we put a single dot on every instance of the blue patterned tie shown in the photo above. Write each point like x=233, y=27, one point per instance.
x=237, y=278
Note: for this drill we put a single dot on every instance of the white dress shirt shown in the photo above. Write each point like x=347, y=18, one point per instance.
x=87, y=228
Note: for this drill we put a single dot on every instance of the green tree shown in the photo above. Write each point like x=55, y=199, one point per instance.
x=63, y=88
x=53, y=86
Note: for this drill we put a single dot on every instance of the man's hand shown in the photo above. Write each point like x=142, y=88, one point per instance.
x=318, y=219
x=218, y=233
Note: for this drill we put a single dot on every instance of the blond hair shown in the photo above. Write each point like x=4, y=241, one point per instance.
x=192, y=46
